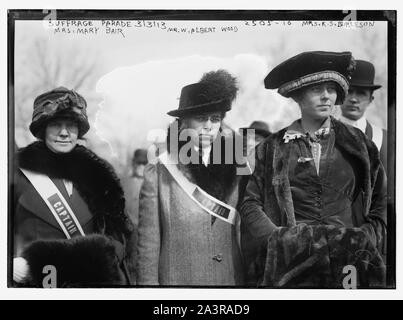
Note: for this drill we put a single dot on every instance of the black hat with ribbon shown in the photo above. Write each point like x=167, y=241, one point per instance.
x=214, y=92
x=312, y=67
x=364, y=75
x=59, y=103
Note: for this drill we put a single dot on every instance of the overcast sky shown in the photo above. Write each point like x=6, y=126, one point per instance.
x=145, y=65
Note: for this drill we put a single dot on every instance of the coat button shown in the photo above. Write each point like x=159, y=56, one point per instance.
x=218, y=257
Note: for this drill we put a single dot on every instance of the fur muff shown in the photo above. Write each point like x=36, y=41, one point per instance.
x=80, y=262
x=307, y=256
x=268, y=192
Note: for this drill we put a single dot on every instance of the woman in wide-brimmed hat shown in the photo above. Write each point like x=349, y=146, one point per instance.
x=69, y=207
x=187, y=234
x=317, y=199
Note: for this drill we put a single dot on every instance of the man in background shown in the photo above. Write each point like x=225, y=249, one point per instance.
x=360, y=96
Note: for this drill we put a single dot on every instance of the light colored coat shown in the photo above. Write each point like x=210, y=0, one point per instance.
x=177, y=243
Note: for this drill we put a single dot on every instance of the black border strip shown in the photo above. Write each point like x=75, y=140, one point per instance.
x=391, y=204
x=315, y=15
x=10, y=144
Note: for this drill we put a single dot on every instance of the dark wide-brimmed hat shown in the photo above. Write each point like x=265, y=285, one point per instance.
x=59, y=103
x=363, y=75
x=140, y=156
x=214, y=92
x=261, y=128
x=309, y=68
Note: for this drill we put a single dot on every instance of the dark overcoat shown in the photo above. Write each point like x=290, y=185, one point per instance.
x=268, y=202
x=104, y=255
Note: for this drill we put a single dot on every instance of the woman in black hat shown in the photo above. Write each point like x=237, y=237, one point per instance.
x=187, y=231
x=69, y=207
x=317, y=199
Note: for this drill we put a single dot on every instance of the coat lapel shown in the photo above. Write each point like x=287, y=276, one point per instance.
x=280, y=181
x=353, y=142
x=33, y=203
x=93, y=178
x=349, y=139
x=368, y=130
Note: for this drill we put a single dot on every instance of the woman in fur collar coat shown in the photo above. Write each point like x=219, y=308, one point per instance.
x=180, y=243
x=87, y=235
x=316, y=202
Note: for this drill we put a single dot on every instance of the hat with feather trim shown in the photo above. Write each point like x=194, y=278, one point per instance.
x=214, y=92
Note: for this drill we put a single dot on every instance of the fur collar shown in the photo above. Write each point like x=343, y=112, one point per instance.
x=348, y=138
x=217, y=179
x=93, y=177
x=356, y=143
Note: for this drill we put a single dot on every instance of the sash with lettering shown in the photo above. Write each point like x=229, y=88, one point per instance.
x=56, y=203
x=204, y=200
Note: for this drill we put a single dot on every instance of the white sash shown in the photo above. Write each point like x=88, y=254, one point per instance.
x=207, y=202
x=56, y=203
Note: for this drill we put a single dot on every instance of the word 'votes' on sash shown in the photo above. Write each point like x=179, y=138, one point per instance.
x=64, y=215
x=210, y=204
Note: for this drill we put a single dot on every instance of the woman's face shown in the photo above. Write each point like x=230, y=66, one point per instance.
x=204, y=128
x=316, y=101
x=61, y=135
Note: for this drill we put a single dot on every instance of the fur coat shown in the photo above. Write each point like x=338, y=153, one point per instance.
x=39, y=239
x=179, y=244
x=268, y=202
x=316, y=256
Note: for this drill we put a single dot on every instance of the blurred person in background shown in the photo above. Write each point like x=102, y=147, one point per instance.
x=133, y=182
x=131, y=185
x=250, y=142
x=316, y=201
x=188, y=228
x=69, y=207
x=359, y=98
x=261, y=131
